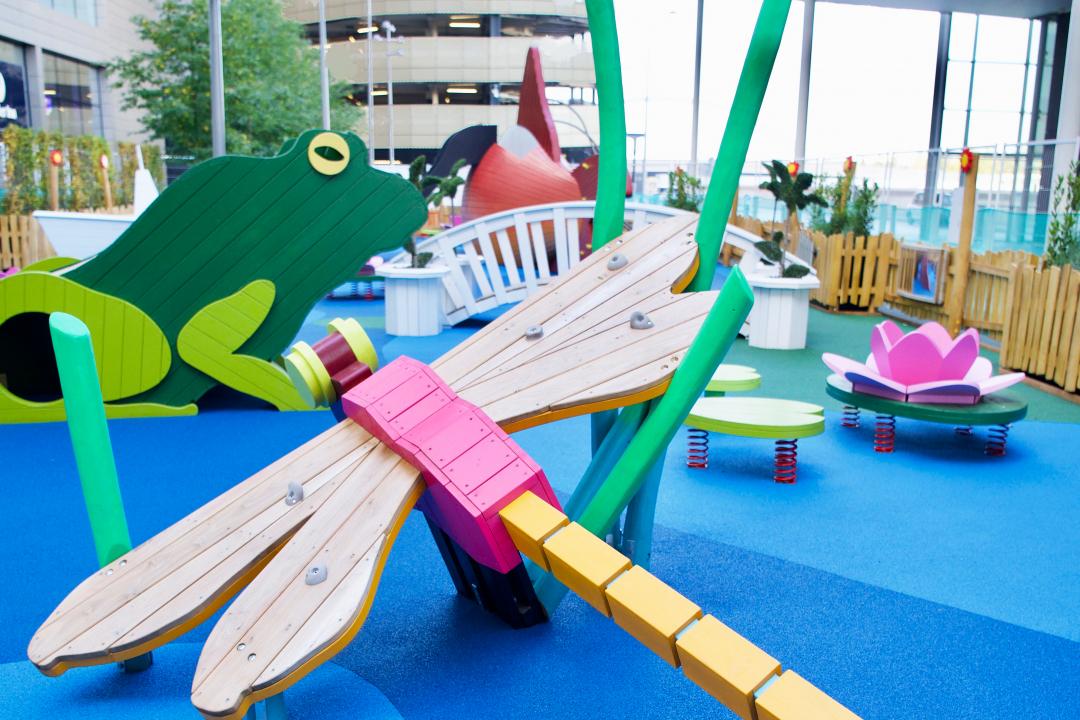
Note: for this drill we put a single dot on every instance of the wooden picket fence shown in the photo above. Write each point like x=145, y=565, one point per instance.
x=1042, y=324
x=854, y=271
x=22, y=242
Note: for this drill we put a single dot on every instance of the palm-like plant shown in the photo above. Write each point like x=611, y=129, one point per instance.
x=792, y=192
x=446, y=187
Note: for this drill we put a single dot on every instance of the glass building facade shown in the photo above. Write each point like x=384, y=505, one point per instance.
x=14, y=108
x=72, y=96
x=85, y=10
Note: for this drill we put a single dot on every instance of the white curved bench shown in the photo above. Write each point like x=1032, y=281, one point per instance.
x=482, y=278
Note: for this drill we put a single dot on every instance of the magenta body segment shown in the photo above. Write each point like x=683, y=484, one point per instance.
x=472, y=468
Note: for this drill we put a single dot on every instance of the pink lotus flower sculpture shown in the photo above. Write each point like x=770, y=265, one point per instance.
x=927, y=365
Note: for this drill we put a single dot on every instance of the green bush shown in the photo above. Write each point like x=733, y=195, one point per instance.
x=685, y=191
x=26, y=170
x=856, y=218
x=1063, y=232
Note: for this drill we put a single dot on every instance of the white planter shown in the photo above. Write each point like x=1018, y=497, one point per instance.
x=414, y=299
x=780, y=312
x=81, y=235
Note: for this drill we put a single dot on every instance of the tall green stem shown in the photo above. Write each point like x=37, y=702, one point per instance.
x=724, y=182
x=611, y=186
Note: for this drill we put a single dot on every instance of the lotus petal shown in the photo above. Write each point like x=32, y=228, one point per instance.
x=882, y=339
x=914, y=359
x=961, y=356
x=937, y=334
x=980, y=370
x=999, y=382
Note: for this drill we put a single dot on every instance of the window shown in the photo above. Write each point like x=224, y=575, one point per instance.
x=991, y=77
x=72, y=96
x=85, y=10
x=13, y=105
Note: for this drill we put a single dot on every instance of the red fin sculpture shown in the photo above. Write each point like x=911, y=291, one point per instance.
x=533, y=112
x=587, y=175
x=503, y=181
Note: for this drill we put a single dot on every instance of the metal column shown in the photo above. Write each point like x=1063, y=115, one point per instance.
x=804, y=80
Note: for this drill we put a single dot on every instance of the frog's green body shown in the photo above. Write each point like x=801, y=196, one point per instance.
x=236, y=251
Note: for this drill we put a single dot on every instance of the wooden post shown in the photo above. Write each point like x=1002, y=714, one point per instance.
x=56, y=159
x=103, y=163
x=954, y=308
x=845, y=184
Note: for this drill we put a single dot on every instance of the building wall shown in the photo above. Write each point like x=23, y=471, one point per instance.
x=306, y=12
x=36, y=25
x=435, y=60
x=465, y=59
x=428, y=126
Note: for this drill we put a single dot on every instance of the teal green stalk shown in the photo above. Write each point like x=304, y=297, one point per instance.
x=724, y=182
x=713, y=342
x=90, y=436
x=611, y=186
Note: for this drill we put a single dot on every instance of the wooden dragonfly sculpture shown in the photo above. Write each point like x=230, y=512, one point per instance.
x=356, y=492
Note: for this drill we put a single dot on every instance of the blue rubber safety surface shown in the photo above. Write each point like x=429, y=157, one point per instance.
x=163, y=692
x=933, y=582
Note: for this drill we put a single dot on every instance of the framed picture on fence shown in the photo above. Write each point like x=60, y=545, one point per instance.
x=922, y=273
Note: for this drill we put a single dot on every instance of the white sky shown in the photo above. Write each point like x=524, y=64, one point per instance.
x=871, y=83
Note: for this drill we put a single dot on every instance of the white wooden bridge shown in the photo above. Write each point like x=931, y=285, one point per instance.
x=504, y=257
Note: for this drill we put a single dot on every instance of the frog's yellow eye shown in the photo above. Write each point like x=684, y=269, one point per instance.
x=328, y=153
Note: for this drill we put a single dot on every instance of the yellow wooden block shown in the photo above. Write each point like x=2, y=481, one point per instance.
x=725, y=664
x=651, y=611
x=530, y=520
x=584, y=563
x=793, y=698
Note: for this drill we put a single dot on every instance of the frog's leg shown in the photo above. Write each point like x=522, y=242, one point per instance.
x=210, y=339
x=131, y=352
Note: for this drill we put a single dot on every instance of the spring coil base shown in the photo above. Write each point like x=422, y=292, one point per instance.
x=995, y=443
x=885, y=434
x=697, y=448
x=851, y=417
x=965, y=430
x=786, y=461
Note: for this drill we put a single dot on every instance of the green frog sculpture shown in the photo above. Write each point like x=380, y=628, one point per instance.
x=211, y=282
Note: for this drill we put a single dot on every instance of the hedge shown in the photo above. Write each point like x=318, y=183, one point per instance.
x=26, y=177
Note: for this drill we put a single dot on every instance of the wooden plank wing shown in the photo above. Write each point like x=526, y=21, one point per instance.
x=357, y=492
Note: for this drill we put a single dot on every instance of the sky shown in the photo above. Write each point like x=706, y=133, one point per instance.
x=872, y=77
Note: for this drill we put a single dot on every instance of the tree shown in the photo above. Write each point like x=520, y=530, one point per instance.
x=446, y=187
x=789, y=187
x=272, y=90
x=1063, y=233
x=685, y=191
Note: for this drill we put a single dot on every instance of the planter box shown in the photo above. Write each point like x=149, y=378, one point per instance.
x=414, y=299
x=780, y=312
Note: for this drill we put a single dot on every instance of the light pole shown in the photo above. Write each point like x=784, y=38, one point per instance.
x=217, y=82
x=389, y=28
x=370, y=90
x=324, y=74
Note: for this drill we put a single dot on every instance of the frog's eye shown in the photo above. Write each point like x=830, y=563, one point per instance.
x=328, y=153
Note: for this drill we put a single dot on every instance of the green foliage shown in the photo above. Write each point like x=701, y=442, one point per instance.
x=791, y=191
x=773, y=250
x=1063, y=232
x=419, y=260
x=857, y=217
x=685, y=191
x=445, y=187
x=80, y=186
x=271, y=78
x=417, y=171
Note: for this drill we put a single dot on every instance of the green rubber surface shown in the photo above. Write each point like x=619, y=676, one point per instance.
x=733, y=378
x=990, y=410
x=758, y=417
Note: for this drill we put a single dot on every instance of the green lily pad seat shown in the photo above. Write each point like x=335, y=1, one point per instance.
x=732, y=378
x=782, y=420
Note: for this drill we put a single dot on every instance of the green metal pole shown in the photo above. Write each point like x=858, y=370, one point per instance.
x=760, y=57
x=708, y=349
x=611, y=186
x=85, y=412
x=90, y=436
